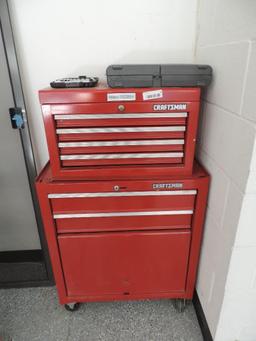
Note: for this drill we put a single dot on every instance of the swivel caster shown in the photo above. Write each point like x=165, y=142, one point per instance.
x=180, y=305
x=72, y=306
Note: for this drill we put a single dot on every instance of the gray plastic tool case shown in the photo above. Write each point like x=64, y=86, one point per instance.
x=153, y=75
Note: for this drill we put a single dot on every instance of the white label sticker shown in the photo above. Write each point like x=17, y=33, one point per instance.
x=121, y=96
x=147, y=95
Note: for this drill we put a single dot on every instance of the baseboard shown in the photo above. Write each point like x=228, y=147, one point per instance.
x=21, y=256
x=201, y=318
x=20, y=269
x=26, y=284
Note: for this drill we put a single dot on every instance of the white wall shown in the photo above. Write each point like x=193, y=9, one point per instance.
x=67, y=38
x=226, y=40
x=238, y=308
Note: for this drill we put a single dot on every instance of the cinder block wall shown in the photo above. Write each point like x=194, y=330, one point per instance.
x=226, y=283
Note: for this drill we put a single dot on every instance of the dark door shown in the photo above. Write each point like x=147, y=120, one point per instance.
x=23, y=254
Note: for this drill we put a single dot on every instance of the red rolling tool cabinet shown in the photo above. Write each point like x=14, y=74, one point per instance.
x=101, y=133
x=123, y=239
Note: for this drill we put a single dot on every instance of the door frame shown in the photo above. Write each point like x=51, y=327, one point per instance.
x=19, y=101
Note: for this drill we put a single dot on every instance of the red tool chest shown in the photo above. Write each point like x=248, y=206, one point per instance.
x=102, y=133
x=124, y=239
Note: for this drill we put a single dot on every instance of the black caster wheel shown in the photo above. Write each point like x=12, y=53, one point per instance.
x=180, y=305
x=72, y=306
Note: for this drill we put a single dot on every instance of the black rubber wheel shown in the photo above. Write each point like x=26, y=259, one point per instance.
x=180, y=305
x=74, y=307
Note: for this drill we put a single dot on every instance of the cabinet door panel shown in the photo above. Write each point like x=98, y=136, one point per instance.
x=124, y=263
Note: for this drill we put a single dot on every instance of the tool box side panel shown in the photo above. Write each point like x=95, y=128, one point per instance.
x=191, y=134
x=51, y=237
x=197, y=233
x=51, y=138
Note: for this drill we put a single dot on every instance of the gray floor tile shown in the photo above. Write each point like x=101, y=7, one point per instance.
x=35, y=315
x=127, y=321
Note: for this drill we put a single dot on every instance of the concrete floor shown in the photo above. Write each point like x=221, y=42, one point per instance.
x=34, y=315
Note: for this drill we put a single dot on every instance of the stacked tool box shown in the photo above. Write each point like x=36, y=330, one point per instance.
x=122, y=200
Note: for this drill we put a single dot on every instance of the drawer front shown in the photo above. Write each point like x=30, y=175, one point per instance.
x=110, y=211
x=124, y=263
x=129, y=146
x=90, y=135
x=119, y=151
x=120, y=159
x=113, y=120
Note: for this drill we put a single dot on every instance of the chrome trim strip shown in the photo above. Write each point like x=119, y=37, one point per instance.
x=120, y=130
x=121, y=214
x=121, y=143
x=111, y=116
x=120, y=194
x=120, y=156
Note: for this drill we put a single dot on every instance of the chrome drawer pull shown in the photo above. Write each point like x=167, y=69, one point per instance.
x=120, y=156
x=121, y=143
x=120, y=130
x=111, y=116
x=120, y=194
x=120, y=214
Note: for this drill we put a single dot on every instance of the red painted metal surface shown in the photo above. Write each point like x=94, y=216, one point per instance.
x=124, y=263
x=120, y=223
x=91, y=138
x=124, y=239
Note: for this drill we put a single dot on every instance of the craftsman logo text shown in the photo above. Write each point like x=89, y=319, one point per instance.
x=167, y=186
x=164, y=107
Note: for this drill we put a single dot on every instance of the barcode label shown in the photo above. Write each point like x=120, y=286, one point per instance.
x=147, y=95
x=122, y=96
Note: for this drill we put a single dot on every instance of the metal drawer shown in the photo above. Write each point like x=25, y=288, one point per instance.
x=124, y=141
x=113, y=120
x=113, y=211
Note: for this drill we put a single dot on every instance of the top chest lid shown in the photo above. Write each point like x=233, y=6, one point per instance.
x=103, y=94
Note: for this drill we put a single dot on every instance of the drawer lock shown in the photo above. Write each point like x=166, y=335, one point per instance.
x=121, y=107
x=116, y=188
